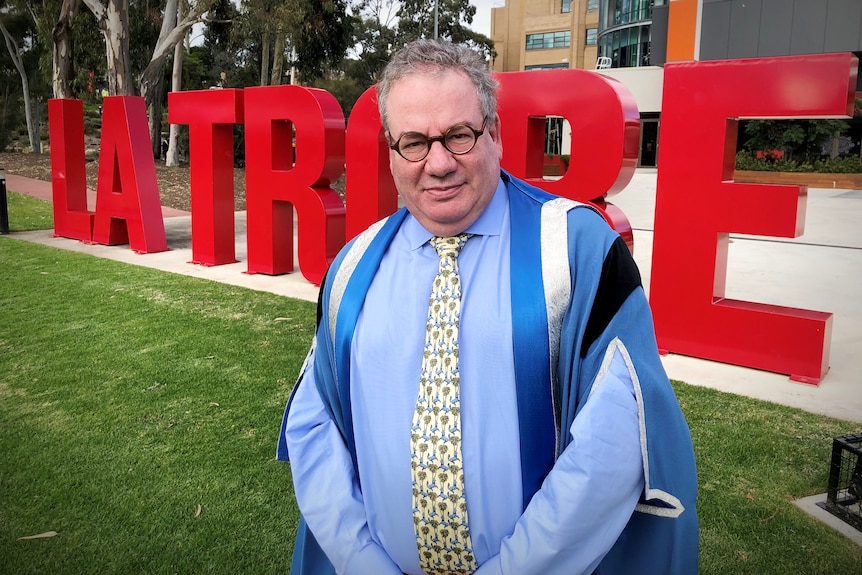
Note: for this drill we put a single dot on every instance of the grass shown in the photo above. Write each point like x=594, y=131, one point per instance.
x=138, y=418
x=754, y=458
x=28, y=213
x=139, y=411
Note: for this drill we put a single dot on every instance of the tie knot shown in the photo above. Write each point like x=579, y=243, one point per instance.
x=449, y=246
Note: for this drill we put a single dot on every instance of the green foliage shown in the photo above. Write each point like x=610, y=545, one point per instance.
x=323, y=38
x=746, y=160
x=224, y=55
x=839, y=165
x=374, y=40
x=87, y=41
x=345, y=89
x=198, y=70
x=89, y=46
x=800, y=140
x=145, y=23
x=416, y=20
x=25, y=43
x=11, y=104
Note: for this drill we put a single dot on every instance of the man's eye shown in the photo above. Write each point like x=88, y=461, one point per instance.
x=411, y=144
x=459, y=137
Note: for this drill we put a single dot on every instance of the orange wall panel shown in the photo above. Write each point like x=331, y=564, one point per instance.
x=681, y=29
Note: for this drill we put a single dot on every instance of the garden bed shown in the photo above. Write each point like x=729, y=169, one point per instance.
x=811, y=179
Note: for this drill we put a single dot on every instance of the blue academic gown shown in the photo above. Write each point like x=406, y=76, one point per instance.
x=560, y=352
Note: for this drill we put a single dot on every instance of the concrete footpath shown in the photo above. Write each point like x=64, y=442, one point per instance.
x=821, y=270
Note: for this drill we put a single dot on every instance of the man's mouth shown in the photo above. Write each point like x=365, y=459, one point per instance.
x=443, y=192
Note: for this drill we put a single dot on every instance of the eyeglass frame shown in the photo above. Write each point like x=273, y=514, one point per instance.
x=442, y=139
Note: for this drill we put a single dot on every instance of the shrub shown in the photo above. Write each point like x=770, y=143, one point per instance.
x=840, y=165
x=746, y=160
x=4, y=139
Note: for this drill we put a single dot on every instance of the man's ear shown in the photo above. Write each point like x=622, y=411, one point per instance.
x=494, y=131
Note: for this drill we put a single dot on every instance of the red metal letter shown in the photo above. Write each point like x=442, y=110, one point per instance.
x=128, y=209
x=275, y=184
x=210, y=115
x=68, y=174
x=698, y=205
x=371, y=192
x=605, y=126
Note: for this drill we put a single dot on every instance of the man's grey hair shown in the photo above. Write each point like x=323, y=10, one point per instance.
x=434, y=57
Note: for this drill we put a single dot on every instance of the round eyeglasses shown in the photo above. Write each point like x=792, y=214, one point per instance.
x=459, y=139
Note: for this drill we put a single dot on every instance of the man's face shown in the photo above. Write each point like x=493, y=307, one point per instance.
x=444, y=192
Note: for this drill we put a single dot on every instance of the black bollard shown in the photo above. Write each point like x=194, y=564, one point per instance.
x=4, y=209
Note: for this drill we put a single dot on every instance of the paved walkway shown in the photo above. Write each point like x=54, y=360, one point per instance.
x=822, y=270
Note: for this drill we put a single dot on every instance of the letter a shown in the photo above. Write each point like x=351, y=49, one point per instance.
x=128, y=209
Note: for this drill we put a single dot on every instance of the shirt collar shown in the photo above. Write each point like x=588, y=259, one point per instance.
x=489, y=223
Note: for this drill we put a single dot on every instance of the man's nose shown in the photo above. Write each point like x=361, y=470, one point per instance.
x=439, y=160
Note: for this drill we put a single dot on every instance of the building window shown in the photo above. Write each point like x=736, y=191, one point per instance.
x=557, y=66
x=591, y=36
x=565, y=6
x=549, y=40
x=617, y=12
x=626, y=48
x=592, y=5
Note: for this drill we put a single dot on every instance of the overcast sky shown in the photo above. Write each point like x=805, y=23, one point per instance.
x=482, y=19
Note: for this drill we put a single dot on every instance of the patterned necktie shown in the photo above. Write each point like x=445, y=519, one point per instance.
x=439, y=505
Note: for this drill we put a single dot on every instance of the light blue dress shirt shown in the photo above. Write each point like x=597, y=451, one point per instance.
x=584, y=503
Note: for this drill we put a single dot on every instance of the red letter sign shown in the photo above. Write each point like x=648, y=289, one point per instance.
x=210, y=115
x=371, y=193
x=128, y=209
x=605, y=127
x=698, y=205
x=275, y=184
x=68, y=173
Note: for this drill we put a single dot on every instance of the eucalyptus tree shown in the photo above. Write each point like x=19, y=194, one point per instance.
x=112, y=18
x=267, y=23
x=225, y=45
x=316, y=33
x=63, y=49
x=323, y=38
x=374, y=39
x=20, y=37
x=416, y=20
x=172, y=153
x=77, y=65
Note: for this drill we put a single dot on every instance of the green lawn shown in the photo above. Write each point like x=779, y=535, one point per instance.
x=138, y=417
x=28, y=213
x=139, y=411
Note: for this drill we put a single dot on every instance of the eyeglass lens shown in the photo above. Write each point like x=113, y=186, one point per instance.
x=458, y=139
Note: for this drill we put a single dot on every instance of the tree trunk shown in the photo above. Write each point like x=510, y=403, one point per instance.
x=264, y=57
x=113, y=20
x=152, y=90
x=62, y=33
x=278, y=58
x=172, y=156
x=29, y=112
x=117, y=42
x=150, y=83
